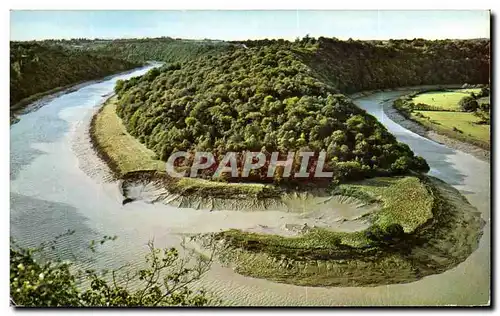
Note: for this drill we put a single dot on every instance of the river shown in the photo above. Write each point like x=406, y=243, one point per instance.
x=57, y=185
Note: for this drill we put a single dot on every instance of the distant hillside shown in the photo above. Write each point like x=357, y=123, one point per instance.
x=37, y=68
x=270, y=95
x=164, y=49
x=353, y=66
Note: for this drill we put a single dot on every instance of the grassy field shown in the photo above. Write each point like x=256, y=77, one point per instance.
x=445, y=99
x=464, y=124
x=127, y=153
x=450, y=121
x=406, y=201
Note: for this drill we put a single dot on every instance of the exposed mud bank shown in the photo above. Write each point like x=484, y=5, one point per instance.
x=90, y=160
x=446, y=240
x=156, y=187
x=50, y=194
x=34, y=102
x=113, y=171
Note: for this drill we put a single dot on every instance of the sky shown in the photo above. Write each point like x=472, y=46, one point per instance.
x=240, y=25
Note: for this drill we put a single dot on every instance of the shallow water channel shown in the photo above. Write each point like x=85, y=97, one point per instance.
x=58, y=184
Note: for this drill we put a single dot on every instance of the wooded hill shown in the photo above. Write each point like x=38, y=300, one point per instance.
x=164, y=49
x=36, y=68
x=278, y=95
x=353, y=66
x=40, y=66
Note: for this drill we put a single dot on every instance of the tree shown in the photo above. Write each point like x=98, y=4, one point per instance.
x=485, y=92
x=401, y=165
x=468, y=104
x=166, y=282
x=278, y=95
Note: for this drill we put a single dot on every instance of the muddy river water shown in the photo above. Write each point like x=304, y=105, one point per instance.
x=57, y=183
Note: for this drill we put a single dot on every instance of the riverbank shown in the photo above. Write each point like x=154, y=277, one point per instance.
x=423, y=131
x=378, y=231
x=51, y=193
x=419, y=129
x=144, y=176
x=36, y=101
x=319, y=257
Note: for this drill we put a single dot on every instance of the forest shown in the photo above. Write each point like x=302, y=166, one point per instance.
x=40, y=66
x=36, y=68
x=276, y=95
x=353, y=66
x=164, y=49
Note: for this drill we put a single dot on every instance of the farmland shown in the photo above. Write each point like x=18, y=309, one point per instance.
x=462, y=114
x=448, y=100
x=465, y=124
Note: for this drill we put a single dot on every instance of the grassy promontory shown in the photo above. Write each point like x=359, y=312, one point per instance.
x=448, y=231
x=284, y=97
x=420, y=225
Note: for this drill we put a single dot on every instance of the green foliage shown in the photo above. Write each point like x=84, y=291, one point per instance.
x=53, y=283
x=142, y=50
x=468, y=104
x=390, y=234
x=265, y=96
x=483, y=113
x=401, y=164
x=37, y=67
x=353, y=66
x=485, y=92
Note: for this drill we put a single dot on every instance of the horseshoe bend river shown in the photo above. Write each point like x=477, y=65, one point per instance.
x=57, y=183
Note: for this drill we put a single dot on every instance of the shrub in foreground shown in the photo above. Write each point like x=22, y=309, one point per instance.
x=54, y=283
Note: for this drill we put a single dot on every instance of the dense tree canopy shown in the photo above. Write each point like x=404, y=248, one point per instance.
x=353, y=66
x=262, y=95
x=37, y=67
x=40, y=66
x=153, y=49
x=262, y=98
